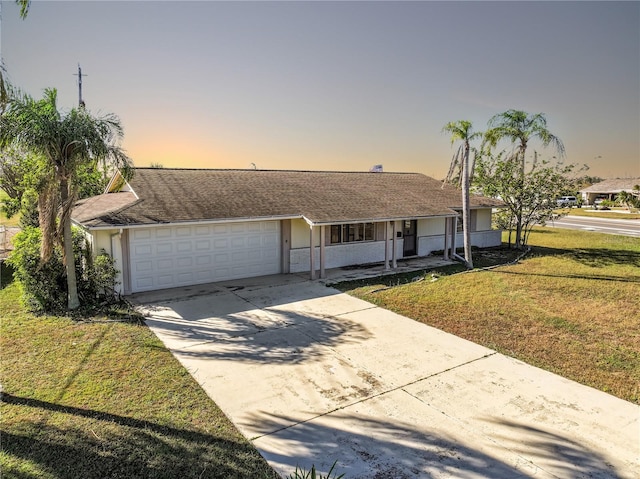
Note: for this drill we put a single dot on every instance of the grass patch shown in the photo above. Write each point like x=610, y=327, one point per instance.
x=614, y=214
x=572, y=307
x=482, y=258
x=107, y=399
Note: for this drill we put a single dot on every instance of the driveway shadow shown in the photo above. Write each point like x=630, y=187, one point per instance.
x=566, y=457
x=370, y=448
x=234, y=328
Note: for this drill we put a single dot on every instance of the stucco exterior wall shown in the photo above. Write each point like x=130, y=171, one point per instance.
x=340, y=255
x=483, y=219
x=428, y=244
x=480, y=239
x=102, y=240
x=300, y=234
x=430, y=227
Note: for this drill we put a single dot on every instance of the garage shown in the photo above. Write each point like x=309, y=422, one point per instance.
x=171, y=256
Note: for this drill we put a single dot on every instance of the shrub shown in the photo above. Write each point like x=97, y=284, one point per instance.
x=104, y=275
x=313, y=474
x=44, y=284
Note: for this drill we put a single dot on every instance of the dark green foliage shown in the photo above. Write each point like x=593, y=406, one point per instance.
x=628, y=199
x=29, y=210
x=91, y=179
x=104, y=275
x=44, y=283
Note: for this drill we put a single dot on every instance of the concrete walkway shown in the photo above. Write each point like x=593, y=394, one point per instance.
x=312, y=376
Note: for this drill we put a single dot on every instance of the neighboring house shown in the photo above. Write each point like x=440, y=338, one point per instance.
x=176, y=227
x=608, y=189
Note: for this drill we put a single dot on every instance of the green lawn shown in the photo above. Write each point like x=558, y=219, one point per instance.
x=571, y=307
x=615, y=213
x=106, y=400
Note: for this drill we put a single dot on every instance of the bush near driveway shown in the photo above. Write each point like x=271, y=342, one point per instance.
x=570, y=307
x=105, y=399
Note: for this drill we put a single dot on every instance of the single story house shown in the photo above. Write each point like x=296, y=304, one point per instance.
x=608, y=189
x=169, y=227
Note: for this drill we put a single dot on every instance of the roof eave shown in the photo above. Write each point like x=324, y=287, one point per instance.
x=189, y=222
x=377, y=220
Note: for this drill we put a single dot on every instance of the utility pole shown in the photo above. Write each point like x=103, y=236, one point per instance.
x=80, y=75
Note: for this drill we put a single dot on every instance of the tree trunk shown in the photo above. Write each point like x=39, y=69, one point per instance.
x=519, y=213
x=466, y=210
x=518, y=241
x=72, y=288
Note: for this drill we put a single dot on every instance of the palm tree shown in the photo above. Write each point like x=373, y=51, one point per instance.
x=463, y=130
x=629, y=199
x=520, y=127
x=24, y=7
x=65, y=141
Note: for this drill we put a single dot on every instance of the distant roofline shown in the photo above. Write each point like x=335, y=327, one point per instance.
x=277, y=171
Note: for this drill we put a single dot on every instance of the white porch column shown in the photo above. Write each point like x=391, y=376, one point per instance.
x=312, y=254
x=322, y=241
x=394, y=263
x=386, y=246
x=447, y=227
x=454, y=232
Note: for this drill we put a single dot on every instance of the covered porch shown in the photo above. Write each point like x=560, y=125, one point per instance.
x=392, y=264
x=375, y=270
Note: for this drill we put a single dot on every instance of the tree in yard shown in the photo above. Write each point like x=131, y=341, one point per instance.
x=628, y=199
x=20, y=174
x=519, y=128
x=462, y=130
x=530, y=197
x=67, y=144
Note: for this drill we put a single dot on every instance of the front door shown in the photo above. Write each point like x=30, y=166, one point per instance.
x=409, y=234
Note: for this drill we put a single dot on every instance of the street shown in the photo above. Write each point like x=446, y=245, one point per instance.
x=600, y=225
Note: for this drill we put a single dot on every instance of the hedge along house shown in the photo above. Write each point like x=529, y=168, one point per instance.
x=176, y=227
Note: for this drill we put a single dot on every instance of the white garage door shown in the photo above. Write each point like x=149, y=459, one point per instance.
x=166, y=257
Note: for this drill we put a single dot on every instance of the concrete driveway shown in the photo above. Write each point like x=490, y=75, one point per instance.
x=312, y=376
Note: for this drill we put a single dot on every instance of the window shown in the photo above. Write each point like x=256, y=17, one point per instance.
x=472, y=221
x=351, y=233
x=336, y=234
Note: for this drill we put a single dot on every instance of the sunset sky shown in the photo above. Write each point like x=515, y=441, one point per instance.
x=336, y=85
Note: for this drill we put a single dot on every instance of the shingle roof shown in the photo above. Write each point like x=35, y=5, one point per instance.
x=612, y=186
x=168, y=195
x=102, y=208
